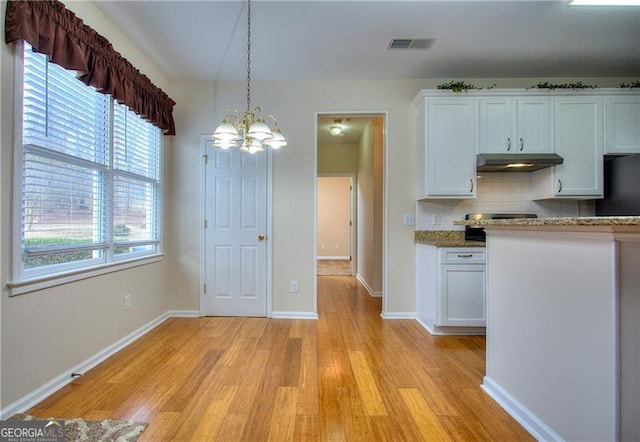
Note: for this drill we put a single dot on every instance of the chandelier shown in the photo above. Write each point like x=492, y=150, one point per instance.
x=250, y=132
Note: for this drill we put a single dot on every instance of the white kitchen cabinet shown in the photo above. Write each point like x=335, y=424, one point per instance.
x=578, y=138
x=622, y=124
x=450, y=288
x=447, y=147
x=515, y=125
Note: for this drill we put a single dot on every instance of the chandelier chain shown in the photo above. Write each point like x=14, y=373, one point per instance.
x=248, y=55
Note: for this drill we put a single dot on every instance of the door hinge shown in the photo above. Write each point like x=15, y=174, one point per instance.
x=350, y=259
x=206, y=159
x=350, y=223
x=205, y=288
x=205, y=223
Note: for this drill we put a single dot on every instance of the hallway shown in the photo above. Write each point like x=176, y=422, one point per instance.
x=348, y=376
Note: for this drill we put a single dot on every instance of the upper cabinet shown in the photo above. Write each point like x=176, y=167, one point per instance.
x=623, y=124
x=578, y=138
x=448, y=143
x=579, y=125
x=515, y=125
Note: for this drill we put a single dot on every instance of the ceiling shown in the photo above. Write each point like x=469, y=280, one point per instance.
x=336, y=40
x=353, y=126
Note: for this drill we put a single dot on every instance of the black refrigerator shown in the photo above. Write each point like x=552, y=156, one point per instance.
x=621, y=187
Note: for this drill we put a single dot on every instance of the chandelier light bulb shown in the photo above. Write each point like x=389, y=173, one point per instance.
x=277, y=141
x=260, y=131
x=226, y=132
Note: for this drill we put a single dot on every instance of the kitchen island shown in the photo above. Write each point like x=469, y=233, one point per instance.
x=563, y=324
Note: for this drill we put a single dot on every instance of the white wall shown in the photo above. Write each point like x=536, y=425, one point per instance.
x=338, y=158
x=365, y=213
x=47, y=332
x=552, y=328
x=334, y=215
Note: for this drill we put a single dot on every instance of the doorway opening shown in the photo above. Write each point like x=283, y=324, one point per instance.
x=351, y=146
x=335, y=237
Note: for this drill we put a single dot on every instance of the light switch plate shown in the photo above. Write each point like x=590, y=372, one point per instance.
x=409, y=219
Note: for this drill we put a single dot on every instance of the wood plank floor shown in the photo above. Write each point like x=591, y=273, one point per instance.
x=349, y=376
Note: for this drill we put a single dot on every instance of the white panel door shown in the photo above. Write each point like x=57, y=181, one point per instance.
x=235, y=238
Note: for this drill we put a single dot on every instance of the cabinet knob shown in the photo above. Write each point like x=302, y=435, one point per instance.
x=261, y=237
x=508, y=144
x=521, y=144
x=559, y=185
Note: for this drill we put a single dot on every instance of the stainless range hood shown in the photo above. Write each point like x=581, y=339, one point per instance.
x=497, y=162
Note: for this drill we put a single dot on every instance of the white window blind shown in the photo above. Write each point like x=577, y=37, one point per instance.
x=135, y=182
x=90, y=175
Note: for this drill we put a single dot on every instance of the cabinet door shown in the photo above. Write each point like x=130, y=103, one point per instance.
x=578, y=138
x=623, y=125
x=496, y=125
x=462, y=295
x=451, y=147
x=533, y=123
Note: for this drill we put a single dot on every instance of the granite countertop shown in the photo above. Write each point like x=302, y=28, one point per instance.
x=444, y=238
x=558, y=221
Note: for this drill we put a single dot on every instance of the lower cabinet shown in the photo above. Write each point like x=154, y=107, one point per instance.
x=450, y=288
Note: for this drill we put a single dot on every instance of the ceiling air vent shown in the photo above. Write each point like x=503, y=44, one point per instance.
x=411, y=43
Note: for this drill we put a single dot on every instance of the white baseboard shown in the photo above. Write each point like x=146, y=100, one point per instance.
x=294, y=315
x=340, y=258
x=532, y=423
x=183, y=313
x=452, y=331
x=39, y=394
x=398, y=315
x=364, y=283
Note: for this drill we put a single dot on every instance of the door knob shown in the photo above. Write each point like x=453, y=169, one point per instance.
x=261, y=237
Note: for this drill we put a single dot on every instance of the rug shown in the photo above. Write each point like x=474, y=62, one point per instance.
x=94, y=430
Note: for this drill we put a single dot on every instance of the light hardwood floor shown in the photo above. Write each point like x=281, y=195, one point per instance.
x=334, y=267
x=349, y=376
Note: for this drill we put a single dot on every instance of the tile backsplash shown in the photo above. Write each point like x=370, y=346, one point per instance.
x=497, y=193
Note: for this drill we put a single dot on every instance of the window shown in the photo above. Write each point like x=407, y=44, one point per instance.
x=89, y=175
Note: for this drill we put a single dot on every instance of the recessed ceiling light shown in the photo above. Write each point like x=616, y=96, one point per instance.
x=604, y=2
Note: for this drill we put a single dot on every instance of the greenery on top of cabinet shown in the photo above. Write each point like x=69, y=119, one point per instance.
x=552, y=86
x=461, y=86
x=630, y=85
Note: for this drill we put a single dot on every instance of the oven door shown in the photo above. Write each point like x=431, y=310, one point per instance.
x=474, y=234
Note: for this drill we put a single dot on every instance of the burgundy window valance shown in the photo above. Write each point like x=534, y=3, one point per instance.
x=50, y=28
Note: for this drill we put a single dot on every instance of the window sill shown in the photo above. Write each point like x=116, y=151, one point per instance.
x=45, y=282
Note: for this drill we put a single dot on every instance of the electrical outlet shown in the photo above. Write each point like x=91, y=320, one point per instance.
x=294, y=287
x=127, y=301
x=435, y=219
